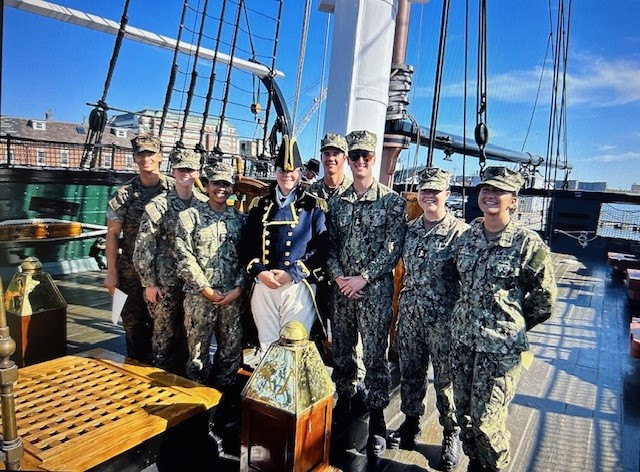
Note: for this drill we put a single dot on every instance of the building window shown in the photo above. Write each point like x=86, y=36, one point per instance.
x=107, y=160
x=128, y=161
x=64, y=157
x=119, y=132
x=41, y=157
x=39, y=125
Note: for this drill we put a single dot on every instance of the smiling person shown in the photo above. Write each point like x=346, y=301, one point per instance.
x=284, y=248
x=125, y=209
x=430, y=287
x=367, y=225
x=207, y=242
x=155, y=258
x=507, y=288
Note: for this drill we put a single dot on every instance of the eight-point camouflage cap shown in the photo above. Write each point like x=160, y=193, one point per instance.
x=502, y=178
x=332, y=140
x=220, y=171
x=145, y=142
x=434, y=178
x=184, y=159
x=362, y=140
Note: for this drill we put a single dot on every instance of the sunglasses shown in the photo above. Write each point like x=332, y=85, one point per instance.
x=354, y=156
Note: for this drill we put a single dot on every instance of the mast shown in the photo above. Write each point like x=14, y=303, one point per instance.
x=361, y=50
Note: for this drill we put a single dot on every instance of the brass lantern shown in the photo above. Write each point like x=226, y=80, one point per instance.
x=36, y=315
x=286, y=408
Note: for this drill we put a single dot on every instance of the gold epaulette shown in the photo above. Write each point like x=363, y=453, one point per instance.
x=253, y=203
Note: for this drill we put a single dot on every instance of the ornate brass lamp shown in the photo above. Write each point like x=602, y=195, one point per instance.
x=12, y=449
x=286, y=408
x=36, y=315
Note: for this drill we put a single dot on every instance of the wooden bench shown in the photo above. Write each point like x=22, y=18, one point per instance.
x=633, y=284
x=83, y=411
x=620, y=261
x=634, y=337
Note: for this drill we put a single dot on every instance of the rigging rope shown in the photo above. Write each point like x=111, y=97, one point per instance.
x=174, y=71
x=272, y=75
x=481, y=132
x=322, y=76
x=303, y=48
x=217, y=149
x=438, y=81
x=212, y=78
x=194, y=72
x=98, y=116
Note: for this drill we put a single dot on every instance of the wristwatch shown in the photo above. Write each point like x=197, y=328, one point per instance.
x=365, y=276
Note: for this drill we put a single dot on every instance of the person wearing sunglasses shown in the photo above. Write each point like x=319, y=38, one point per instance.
x=367, y=225
x=507, y=288
x=155, y=258
x=430, y=287
x=284, y=247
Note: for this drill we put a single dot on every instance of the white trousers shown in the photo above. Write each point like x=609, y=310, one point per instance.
x=273, y=308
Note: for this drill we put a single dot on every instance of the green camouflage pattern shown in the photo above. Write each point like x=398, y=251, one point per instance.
x=126, y=206
x=146, y=142
x=430, y=288
x=184, y=159
x=207, y=244
x=434, y=178
x=366, y=236
x=502, y=178
x=485, y=383
x=220, y=171
x=319, y=189
x=362, y=140
x=333, y=140
x=155, y=259
x=508, y=287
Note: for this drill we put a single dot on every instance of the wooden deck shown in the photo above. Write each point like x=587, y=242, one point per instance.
x=577, y=407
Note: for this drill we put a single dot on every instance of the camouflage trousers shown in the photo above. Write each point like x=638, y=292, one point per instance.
x=371, y=317
x=202, y=319
x=417, y=341
x=168, y=341
x=136, y=319
x=484, y=385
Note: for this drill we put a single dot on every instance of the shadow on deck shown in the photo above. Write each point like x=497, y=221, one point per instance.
x=576, y=408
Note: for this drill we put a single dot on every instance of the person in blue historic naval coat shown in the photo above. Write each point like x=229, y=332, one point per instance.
x=284, y=248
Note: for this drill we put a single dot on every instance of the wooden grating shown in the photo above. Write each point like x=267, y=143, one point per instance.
x=77, y=412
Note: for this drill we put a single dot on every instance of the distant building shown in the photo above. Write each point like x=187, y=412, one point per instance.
x=571, y=184
x=48, y=143
x=592, y=186
x=148, y=120
x=635, y=188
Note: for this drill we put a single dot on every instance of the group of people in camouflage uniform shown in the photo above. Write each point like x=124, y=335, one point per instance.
x=469, y=292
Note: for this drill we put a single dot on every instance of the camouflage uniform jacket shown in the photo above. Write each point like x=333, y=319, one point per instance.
x=292, y=238
x=507, y=287
x=127, y=205
x=154, y=255
x=431, y=283
x=208, y=246
x=366, y=234
x=319, y=189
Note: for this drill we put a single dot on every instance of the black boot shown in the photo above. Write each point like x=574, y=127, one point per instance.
x=341, y=410
x=450, y=455
x=476, y=466
x=405, y=436
x=377, y=442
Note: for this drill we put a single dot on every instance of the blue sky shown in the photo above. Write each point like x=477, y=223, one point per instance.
x=49, y=65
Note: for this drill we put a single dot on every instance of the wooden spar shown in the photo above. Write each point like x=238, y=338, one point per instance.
x=87, y=20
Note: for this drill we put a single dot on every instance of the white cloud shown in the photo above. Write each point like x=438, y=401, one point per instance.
x=628, y=156
x=592, y=80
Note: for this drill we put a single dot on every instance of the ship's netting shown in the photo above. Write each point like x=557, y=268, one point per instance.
x=232, y=107
x=620, y=221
